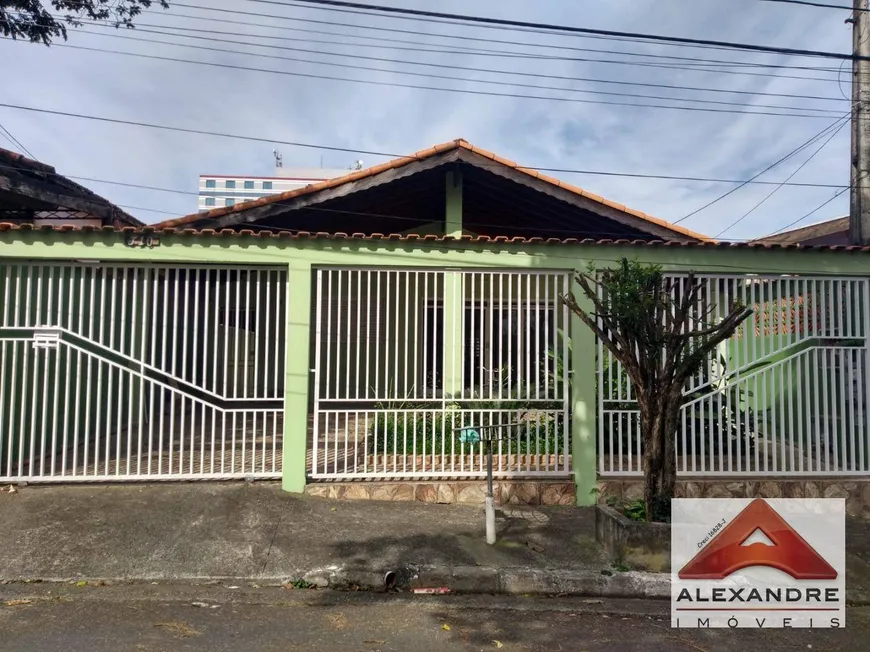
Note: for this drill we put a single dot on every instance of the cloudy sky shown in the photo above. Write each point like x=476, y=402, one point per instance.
x=724, y=143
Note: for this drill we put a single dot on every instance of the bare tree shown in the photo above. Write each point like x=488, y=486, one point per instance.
x=33, y=20
x=655, y=328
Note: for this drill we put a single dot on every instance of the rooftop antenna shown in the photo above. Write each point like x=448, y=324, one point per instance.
x=279, y=160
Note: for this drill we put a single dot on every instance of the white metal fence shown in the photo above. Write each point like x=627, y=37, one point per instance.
x=786, y=395
x=113, y=372
x=403, y=357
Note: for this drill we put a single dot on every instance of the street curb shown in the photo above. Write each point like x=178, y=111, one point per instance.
x=507, y=581
x=470, y=580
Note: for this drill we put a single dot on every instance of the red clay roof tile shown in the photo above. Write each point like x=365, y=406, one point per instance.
x=458, y=143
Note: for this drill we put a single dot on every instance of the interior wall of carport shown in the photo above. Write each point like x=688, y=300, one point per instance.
x=301, y=255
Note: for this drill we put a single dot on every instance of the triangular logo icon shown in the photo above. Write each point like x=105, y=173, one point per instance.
x=757, y=537
x=726, y=554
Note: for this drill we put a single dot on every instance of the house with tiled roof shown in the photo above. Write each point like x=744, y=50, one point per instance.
x=34, y=193
x=828, y=232
x=339, y=337
x=454, y=188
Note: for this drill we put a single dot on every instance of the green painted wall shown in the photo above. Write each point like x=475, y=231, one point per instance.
x=298, y=255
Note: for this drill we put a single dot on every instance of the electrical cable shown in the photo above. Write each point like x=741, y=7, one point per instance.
x=421, y=14
x=349, y=150
x=432, y=75
x=788, y=178
x=810, y=214
x=795, y=151
x=813, y=4
x=416, y=46
x=442, y=89
x=16, y=143
x=463, y=38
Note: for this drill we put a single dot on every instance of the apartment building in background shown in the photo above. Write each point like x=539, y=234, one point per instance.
x=218, y=190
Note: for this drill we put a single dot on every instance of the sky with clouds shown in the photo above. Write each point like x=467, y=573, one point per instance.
x=535, y=132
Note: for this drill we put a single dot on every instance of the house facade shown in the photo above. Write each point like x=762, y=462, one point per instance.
x=246, y=346
x=34, y=193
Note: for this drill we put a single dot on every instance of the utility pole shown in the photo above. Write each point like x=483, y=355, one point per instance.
x=859, y=207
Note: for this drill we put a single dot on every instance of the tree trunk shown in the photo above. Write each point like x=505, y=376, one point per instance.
x=658, y=421
x=650, y=462
x=669, y=438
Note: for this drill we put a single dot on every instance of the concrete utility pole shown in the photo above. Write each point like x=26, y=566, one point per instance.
x=859, y=220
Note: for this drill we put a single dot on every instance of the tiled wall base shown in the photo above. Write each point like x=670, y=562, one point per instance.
x=856, y=492
x=522, y=492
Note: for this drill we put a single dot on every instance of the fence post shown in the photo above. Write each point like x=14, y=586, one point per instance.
x=454, y=318
x=297, y=338
x=583, y=402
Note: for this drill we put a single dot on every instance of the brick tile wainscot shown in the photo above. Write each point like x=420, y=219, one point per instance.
x=528, y=492
x=855, y=491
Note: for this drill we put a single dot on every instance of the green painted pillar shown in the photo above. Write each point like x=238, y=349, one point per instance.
x=453, y=290
x=453, y=212
x=298, y=328
x=453, y=325
x=583, y=403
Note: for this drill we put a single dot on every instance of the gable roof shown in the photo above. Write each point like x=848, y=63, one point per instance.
x=26, y=184
x=234, y=214
x=808, y=234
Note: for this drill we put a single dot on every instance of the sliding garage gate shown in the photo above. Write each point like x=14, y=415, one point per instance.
x=119, y=372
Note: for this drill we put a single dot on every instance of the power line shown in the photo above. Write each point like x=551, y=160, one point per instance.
x=810, y=214
x=349, y=150
x=469, y=38
x=813, y=4
x=436, y=76
x=475, y=39
x=795, y=151
x=7, y=137
x=459, y=49
x=439, y=88
x=540, y=169
x=788, y=178
x=15, y=142
x=422, y=14
x=707, y=67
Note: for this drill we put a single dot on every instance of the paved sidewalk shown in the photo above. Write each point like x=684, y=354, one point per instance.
x=259, y=533
x=189, y=531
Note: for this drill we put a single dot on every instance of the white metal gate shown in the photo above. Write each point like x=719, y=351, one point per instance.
x=786, y=395
x=401, y=357
x=121, y=372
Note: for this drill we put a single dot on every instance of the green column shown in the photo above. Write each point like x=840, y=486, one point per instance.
x=583, y=402
x=297, y=337
x=453, y=212
x=453, y=290
x=453, y=318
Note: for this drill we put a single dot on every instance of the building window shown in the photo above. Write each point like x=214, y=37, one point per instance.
x=230, y=184
x=209, y=183
x=229, y=201
x=209, y=201
x=249, y=185
x=267, y=185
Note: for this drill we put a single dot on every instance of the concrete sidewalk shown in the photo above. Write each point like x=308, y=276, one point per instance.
x=259, y=533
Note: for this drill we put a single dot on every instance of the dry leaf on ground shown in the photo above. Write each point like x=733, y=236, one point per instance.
x=179, y=628
x=338, y=621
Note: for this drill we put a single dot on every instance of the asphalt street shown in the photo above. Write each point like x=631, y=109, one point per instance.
x=217, y=617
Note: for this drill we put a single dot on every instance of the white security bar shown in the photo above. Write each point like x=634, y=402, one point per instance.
x=785, y=396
